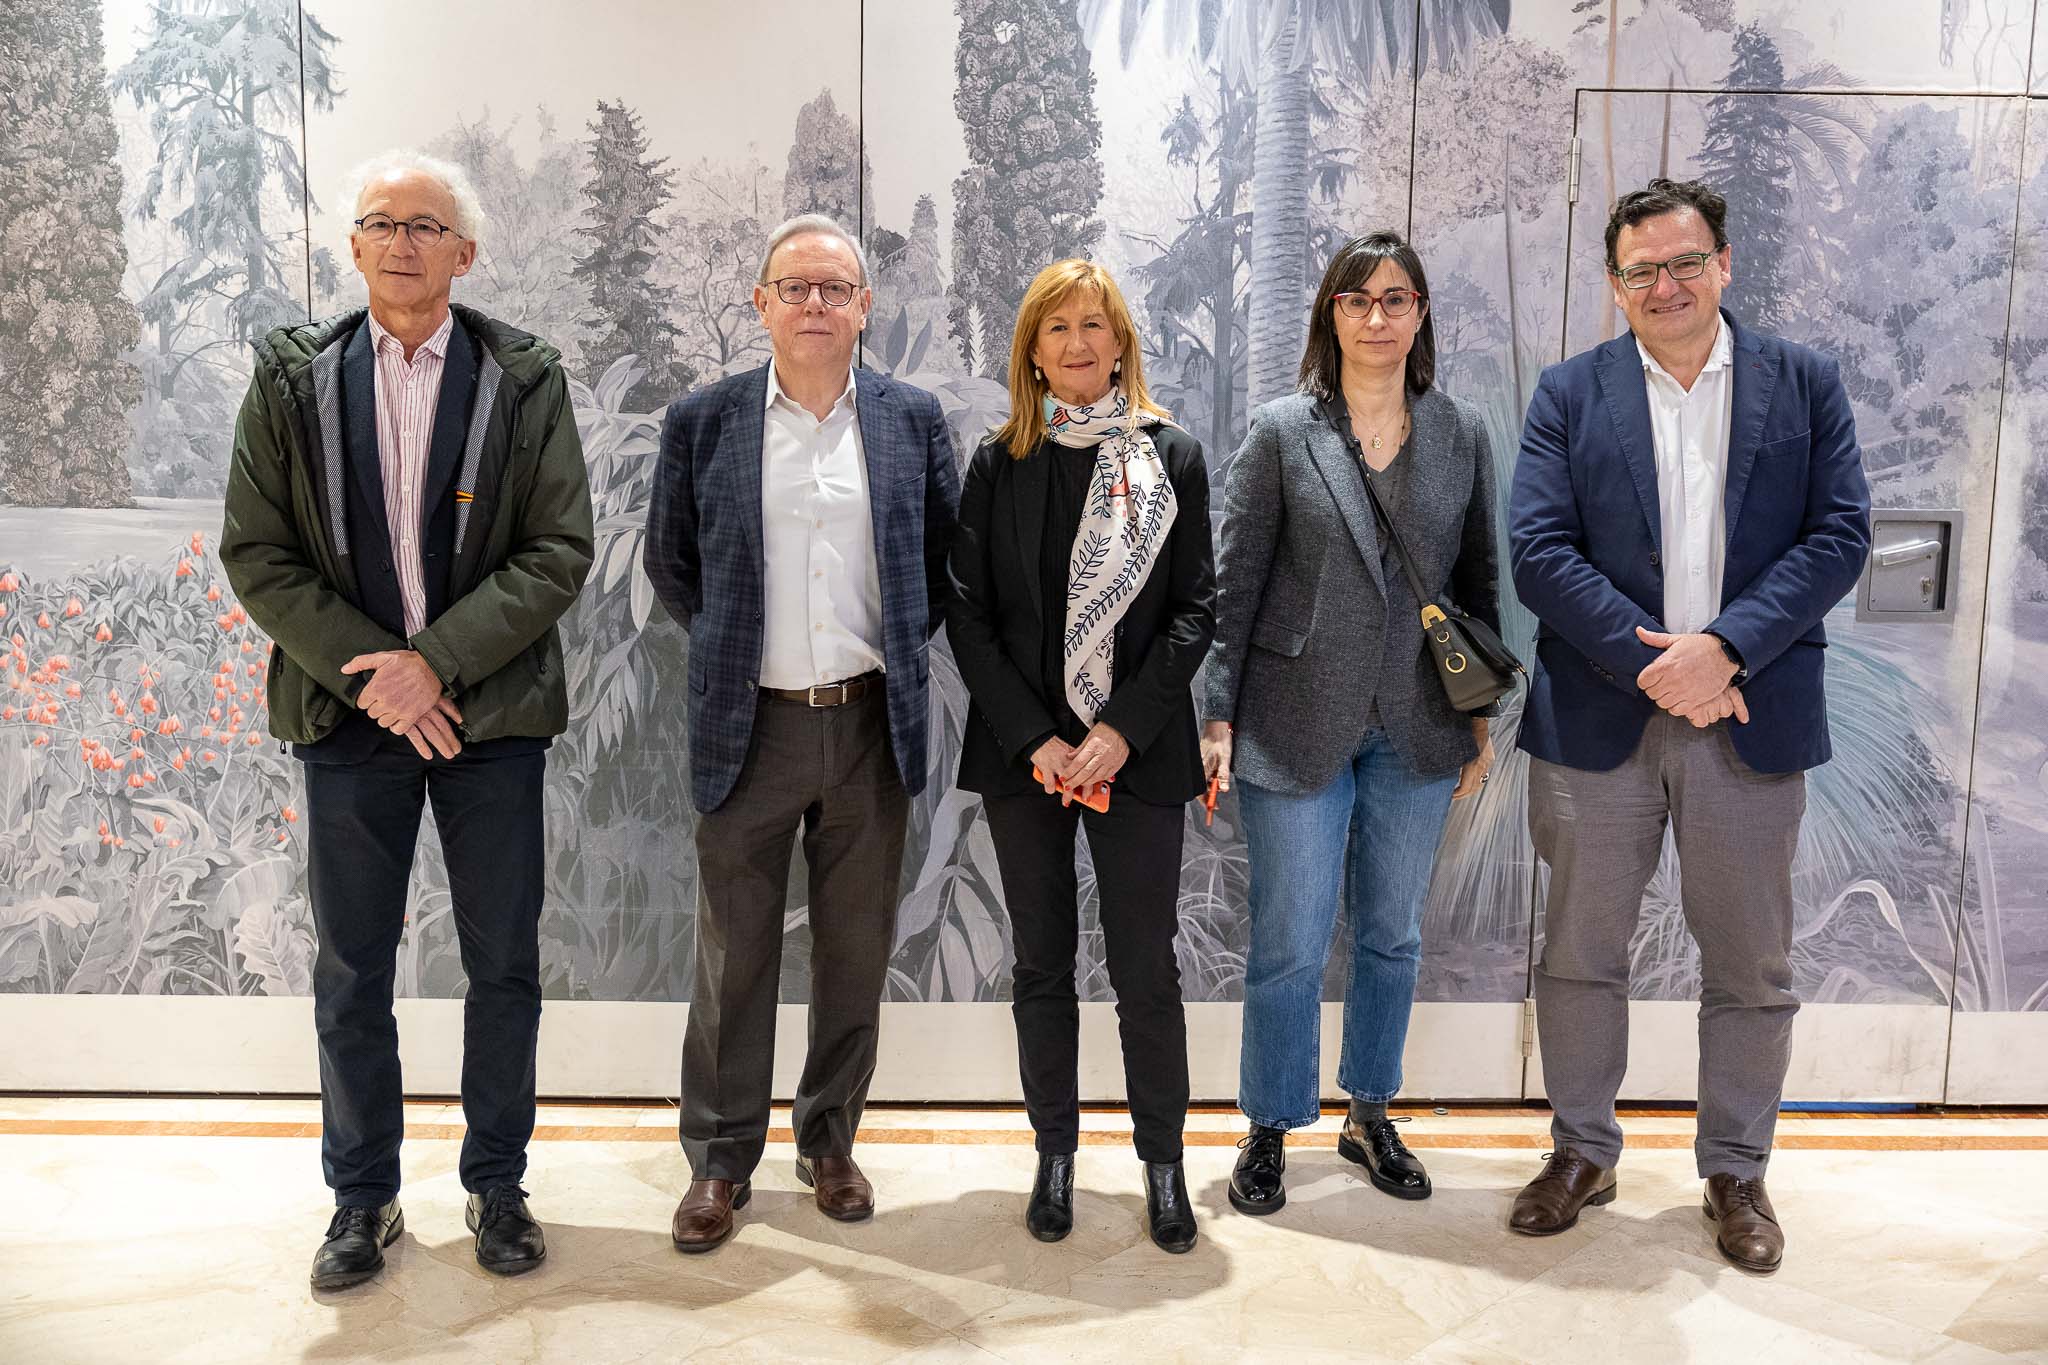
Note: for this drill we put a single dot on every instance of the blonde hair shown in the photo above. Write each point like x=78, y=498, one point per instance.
x=1053, y=286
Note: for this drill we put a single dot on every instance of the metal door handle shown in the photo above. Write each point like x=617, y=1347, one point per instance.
x=1906, y=553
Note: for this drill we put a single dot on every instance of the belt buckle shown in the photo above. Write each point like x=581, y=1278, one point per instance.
x=811, y=694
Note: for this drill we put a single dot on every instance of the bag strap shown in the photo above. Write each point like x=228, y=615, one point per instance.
x=1340, y=417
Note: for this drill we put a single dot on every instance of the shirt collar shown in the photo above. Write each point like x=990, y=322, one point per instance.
x=435, y=345
x=846, y=395
x=1720, y=358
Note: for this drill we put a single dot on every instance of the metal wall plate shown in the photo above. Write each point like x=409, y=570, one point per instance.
x=1913, y=571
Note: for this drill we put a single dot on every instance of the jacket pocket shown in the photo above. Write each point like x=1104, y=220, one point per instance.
x=1279, y=637
x=1799, y=444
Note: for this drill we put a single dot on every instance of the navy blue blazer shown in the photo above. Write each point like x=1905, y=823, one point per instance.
x=704, y=555
x=1584, y=543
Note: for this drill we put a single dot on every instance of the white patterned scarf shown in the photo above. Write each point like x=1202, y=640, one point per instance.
x=1124, y=524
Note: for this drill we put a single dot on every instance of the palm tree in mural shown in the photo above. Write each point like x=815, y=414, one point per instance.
x=1274, y=47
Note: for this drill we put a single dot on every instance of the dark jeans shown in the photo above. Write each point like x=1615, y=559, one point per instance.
x=1136, y=848
x=362, y=825
x=828, y=771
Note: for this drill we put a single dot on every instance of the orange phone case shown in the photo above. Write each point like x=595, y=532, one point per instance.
x=1096, y=800
x=1209, y=805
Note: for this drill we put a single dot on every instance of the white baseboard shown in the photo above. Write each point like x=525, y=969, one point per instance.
x=960, y=1053
x=1999, y=1058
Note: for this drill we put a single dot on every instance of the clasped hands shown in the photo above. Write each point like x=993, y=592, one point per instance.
x=1097, y=758
x=404, y=696
x=1690, y=679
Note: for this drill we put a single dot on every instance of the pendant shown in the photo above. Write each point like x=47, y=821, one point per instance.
x=1378, y=442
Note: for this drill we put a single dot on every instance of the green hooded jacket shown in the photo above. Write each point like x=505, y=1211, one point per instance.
x=521, y=554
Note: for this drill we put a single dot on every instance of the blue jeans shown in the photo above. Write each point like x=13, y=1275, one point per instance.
x=1390, y=819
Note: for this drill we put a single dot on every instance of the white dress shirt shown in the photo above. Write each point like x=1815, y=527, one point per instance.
x=1690, y=429
x=821, y=586
x=408, y=394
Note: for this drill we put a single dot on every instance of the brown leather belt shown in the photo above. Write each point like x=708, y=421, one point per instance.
x=828, y=694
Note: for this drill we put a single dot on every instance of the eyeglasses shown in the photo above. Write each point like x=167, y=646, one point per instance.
x=793, y=290
x=422, y=231
x=1643, y=274
x=1395, y=303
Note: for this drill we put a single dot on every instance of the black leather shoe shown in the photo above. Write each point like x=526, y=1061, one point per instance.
x=508, y=1240
x=354, y=1249
x=1392, y=1168
x=1050, y=1214
x=1256, y=1186
x=1168, y=1212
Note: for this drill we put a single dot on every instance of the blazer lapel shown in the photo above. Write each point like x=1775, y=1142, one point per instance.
x=741, y=445
x=359, y=428
x=1755, y=377
x=1622, y=384
x=1030, y=485
x=451, y=419
x=874, y=412
x=1339, y=468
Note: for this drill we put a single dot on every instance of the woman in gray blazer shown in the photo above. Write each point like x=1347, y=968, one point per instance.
x=1323, y=704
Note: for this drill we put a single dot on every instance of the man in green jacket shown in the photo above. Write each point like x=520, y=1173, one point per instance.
x=408, y=516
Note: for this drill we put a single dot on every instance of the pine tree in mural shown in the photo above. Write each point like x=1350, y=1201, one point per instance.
x=223, y=86
x=1747, y=156
x=629, y=311
x=828, y=168
x=1026, y=101
x=64, y=324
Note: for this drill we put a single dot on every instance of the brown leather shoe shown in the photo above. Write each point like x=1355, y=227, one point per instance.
x=704, y=1218
x=842, y=1191
x=1746, y=1226
x=1550, y=1203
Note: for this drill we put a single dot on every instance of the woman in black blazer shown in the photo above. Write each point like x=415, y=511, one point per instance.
x=1083, y=602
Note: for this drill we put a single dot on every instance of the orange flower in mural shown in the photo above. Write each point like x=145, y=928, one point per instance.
x=103, y=634
x=184, y=567
x=290, y=814
x=148, y=704
x=213, y=593
x=73, y=608
x=43, y=619
x=199, y=542
x=158, y=824
x=9, y=583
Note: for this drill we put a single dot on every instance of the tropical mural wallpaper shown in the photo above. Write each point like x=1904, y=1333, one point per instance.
x=171, y=169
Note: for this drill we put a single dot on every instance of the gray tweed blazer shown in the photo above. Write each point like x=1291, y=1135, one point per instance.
x=1310, y=627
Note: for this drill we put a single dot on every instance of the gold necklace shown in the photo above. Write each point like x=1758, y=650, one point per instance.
x=1379, y=442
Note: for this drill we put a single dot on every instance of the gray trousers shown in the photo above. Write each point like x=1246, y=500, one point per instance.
x=1602, y=833
x=829, y=771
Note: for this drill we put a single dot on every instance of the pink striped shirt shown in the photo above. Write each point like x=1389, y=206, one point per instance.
x=407, y=395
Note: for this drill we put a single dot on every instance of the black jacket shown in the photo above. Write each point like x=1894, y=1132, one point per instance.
x=996, y=622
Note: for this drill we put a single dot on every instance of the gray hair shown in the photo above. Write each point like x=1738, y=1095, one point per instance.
x=469, y=210
x=821, y=223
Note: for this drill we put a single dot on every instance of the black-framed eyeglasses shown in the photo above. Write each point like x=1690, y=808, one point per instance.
x=1395, y=303
x=1688, y=265
x=422, y=231
x=794, y=290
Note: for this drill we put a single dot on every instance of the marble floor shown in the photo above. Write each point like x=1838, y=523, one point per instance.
x=181, y=1230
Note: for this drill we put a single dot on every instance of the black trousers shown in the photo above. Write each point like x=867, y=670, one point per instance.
x=829, y=772
x=363, y=823
x=1136, y=848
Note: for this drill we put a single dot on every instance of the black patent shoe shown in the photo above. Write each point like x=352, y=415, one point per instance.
x=1050, y=1214
x=1255, y=1186
x=1168, y=1212
x=354, y=1249
x=508, y=1240
x=1392, y=1168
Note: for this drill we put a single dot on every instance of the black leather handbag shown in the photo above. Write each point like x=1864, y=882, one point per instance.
x=1475, y=668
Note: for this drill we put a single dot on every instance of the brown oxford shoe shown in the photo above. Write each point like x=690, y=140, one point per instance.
x=704, y=1217
x=1745, y=1225
x=842, y=1191
x=1550, y=1203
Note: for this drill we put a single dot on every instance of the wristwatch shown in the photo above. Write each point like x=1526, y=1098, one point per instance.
x=1734, y=657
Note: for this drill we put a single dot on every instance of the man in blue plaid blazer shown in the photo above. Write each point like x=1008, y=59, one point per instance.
x=798, y=532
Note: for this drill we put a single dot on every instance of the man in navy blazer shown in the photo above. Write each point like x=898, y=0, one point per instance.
x=1688, y=505
x=798, y=531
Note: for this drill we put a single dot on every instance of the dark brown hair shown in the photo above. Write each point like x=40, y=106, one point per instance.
x=1322, y=361
x=1667, y=196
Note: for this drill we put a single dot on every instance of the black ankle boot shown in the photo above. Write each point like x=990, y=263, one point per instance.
x=1374, y=1144
x=1168, y=1212
x=1255, y=1186
x=1050, y=1214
